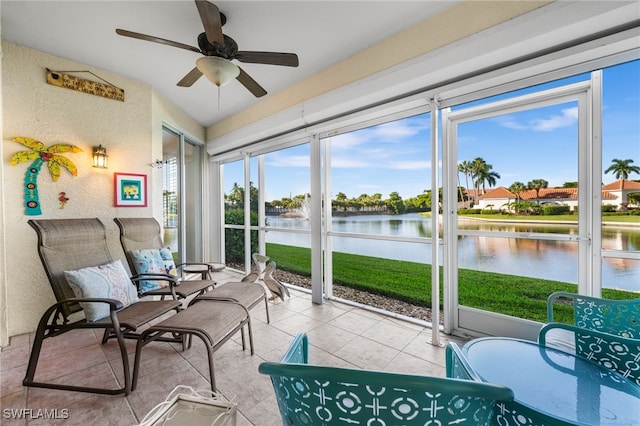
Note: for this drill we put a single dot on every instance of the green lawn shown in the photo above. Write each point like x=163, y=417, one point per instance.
x=409, y=281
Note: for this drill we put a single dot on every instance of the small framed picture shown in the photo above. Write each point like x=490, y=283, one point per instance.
x=130, y=190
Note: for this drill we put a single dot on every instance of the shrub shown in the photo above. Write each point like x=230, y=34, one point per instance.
x=469, y=211
x=554, y=210
x=234, y=238
x=609, y=208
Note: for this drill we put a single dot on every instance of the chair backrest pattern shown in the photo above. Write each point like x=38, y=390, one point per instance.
x=614, y=352
x=320, y=395
x=619, y=317
x=66, y=245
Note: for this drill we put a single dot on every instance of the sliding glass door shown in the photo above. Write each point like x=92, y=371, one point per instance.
x=182, y=171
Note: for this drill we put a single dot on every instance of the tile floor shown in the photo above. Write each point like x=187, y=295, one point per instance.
x=339, y=335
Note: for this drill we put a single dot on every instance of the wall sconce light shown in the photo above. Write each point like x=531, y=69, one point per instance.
x=100, y=157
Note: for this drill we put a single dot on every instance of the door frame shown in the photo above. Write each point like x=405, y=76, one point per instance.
x=472, y=321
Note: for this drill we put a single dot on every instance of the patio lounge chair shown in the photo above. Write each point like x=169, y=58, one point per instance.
x=74, y=245
x=311, y=394
x=144, y=233
x=138, y=235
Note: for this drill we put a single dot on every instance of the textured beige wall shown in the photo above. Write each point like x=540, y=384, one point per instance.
x=131, y=132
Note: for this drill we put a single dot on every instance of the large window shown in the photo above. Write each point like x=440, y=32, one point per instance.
x=521, y=178
x=621, y=177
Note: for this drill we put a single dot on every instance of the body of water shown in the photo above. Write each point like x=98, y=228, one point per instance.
x=554, y=260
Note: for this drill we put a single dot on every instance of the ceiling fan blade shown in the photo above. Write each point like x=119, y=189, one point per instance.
x=251, y=85
x=270, y=58
x=210, y=17
x=191, y=77
x=156, y=40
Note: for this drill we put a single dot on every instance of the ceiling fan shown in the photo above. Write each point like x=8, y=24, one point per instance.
x=219, y=50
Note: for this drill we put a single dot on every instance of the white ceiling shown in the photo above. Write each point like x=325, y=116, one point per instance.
x=321, y=33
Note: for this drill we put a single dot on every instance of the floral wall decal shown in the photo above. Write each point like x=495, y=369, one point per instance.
x=41, y=154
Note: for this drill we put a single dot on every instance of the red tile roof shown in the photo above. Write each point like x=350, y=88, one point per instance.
x=544, y=194
x=621, y=184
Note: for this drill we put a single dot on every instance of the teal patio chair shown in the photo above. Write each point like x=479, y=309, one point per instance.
x=617, y=353
x=505, y=413
x=617, y=317
x=321, y=395
x=457, y=366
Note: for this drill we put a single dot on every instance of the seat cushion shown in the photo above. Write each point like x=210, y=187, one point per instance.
x=149, y=261
x=109, y=281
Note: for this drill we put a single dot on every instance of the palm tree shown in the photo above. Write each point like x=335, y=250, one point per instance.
x=41, y=154
x=622, y=168
x=517, y=188
x=483, y=174
x=536, y=185
x=465, y=167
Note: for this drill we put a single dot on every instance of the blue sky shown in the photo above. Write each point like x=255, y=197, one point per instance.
x=533, y=144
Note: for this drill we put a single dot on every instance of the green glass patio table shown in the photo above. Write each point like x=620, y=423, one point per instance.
x=551, y=386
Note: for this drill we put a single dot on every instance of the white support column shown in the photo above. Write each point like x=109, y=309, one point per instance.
x=435, y=216
x=595, y=225
x=316, y=221
x=449, y=215
x=262, y=238
x=247, y=213
x=328, y=216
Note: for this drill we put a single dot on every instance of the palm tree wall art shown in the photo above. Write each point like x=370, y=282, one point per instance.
x=41, y=154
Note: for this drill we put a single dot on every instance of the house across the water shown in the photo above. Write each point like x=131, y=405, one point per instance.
x=613, y=194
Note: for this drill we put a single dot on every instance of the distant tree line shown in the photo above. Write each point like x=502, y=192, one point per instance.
x=478, y=175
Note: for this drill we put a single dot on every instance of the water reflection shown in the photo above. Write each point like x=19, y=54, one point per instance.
x=554, y=260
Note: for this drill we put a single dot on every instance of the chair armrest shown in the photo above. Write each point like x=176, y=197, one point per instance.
x=545, y=336
x=173, y=281
x=457, y=365
x=114, y=305
x=298, y=352
x=552, y=298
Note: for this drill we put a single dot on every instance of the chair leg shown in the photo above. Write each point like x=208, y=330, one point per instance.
x=250, y=335
x=36, y=348
x=266, y=307
x=43, y=327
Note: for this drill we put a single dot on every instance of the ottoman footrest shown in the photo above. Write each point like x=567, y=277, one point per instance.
x=213, y=321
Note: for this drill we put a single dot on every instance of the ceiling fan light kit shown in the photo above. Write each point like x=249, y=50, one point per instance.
x=217, y=70
x=219, y=50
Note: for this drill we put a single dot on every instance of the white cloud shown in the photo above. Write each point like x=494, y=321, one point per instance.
x=409, y=165
x=348, y=163
x=394, y=131
x=289, y=161
x=569, y=117
x=510, y=123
